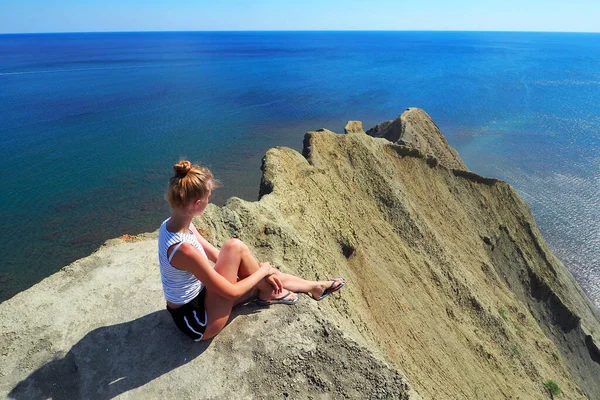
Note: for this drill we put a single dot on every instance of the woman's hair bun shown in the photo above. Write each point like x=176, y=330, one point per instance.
x=190, y=182
x=182, y=168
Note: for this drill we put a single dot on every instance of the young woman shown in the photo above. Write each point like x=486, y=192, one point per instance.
x=200, y=297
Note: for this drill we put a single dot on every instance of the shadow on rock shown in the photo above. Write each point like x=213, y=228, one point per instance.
x=112, y=360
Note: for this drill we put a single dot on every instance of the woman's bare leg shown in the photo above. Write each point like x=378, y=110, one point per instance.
x=235, y=261
x=248, y=266
x=219, y=308
x=297, y=284
x=290, y=282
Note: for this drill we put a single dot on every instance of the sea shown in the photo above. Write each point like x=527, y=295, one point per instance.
x=91, y=124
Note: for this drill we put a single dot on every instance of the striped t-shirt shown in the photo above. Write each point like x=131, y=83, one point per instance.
x=180, y=287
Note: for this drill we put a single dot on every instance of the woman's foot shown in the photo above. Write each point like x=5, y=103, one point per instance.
x=325, y=288
x=286, y=298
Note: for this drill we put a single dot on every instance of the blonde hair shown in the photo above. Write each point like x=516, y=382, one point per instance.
x=189, y=183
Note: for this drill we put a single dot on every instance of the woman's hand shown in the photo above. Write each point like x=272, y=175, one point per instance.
x=267, y=268
x=270, y=277
x=274, y=281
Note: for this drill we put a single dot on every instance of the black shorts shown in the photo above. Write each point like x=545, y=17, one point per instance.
x=191, y=318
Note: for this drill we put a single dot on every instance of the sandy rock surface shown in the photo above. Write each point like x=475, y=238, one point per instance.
x=98, y=330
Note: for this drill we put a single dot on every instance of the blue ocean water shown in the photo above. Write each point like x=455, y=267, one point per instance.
x=90, y=124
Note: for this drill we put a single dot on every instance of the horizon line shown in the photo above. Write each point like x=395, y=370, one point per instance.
x=294, y=30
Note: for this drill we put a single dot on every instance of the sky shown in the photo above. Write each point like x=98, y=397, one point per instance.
x=29, y=16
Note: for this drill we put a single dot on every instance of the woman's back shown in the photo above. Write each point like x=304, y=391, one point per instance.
x=179, y=286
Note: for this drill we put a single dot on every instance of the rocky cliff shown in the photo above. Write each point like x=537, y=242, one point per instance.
x=452, y=292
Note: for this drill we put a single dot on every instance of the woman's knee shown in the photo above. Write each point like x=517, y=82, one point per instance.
x=234, y=244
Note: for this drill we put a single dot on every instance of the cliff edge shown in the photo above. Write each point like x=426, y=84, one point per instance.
x=452, y=292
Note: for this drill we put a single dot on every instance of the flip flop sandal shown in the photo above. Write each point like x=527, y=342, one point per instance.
x=332, y=289
x=277, y=300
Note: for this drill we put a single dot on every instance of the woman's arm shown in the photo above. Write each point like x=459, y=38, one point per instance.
x=211, y=251
x=188, y=258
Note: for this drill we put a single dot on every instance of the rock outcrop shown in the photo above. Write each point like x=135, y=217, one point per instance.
x=452, y=292
x=415, y=128
x=354, y=127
